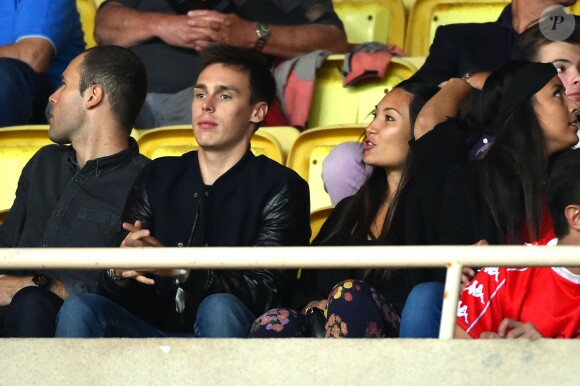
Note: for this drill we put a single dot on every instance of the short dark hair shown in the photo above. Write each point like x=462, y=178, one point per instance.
x=123, y=77
x=564, y=189
x=262, y=83
x=533, y=39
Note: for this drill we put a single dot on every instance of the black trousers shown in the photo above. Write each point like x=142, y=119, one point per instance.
x=31, y=314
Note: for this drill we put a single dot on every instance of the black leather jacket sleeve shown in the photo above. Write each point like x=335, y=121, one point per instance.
x=137, y=206
x=285, y=221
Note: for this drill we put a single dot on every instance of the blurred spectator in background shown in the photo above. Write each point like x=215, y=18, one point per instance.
x=38, y=39
x=167, y=35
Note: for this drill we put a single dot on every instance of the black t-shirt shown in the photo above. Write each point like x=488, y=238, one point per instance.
x=172, y=69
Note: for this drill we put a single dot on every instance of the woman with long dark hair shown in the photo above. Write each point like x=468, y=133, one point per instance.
x=501, y=199
x=397, y=205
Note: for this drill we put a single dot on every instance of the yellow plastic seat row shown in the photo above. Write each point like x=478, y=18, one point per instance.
x=17, y=145
x=317, y=218
x=333, y=104
x=88, y=10
x=179, y=139
x=310, y=150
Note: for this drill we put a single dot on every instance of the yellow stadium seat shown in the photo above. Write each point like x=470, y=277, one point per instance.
x=286, y=135
x=310, y=149
x=88, y=9
x=177, y=140
x=575, y=9
x=317, y=218
x=17, y=145
x=380, y=21
x=427, y=15
x=333, y=104
x=135, y=134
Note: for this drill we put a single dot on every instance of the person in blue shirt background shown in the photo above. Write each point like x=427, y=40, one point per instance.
x=38, y=39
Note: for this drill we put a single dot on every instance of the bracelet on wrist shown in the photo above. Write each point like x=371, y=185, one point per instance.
x=466, y=77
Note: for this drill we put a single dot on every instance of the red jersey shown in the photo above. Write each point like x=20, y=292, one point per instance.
x=549, y=298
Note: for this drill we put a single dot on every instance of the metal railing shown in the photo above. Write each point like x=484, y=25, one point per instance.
x=451, y=257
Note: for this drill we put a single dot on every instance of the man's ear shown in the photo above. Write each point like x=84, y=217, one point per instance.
x=93, y=96
x=572, y=213
x=259, y=113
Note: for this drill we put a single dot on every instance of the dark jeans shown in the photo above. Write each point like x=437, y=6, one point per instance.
x=421, y=315
x=31, y=314
x=94, y=316
x=23, y=93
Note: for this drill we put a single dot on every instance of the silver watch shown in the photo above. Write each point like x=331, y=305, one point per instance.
x=263, y=31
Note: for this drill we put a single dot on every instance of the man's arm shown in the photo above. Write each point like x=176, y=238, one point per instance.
x=117, y=24
x=284, y=41
x=41, y=28
x=286, y=217
x=36, y=52
x=127, y=27
x=10, y=285
x=441, y=106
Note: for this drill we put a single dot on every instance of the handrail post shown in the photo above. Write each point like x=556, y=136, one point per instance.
x=450, y=297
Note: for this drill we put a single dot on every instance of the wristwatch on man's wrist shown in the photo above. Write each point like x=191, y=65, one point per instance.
x=41, y=281
x=263, y=31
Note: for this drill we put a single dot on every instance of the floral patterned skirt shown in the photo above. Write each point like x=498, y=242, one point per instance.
x=354, y=310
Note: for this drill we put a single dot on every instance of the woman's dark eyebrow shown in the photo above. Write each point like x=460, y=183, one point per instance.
x=391, y=108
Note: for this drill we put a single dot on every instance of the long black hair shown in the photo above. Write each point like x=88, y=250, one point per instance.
x=362, y=209
x=512, y=176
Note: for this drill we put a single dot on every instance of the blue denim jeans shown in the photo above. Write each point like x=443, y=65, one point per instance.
x=421, y=314
x=94, y=316
x=23, y=93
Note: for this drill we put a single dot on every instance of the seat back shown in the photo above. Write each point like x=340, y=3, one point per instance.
x=88, y=10
x=427, y=15
x=317, y=218
x=333, y=104
x=286, y=136
x=177, y=140
x=17, y=145
x=310, y=150
x=380, y=21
